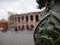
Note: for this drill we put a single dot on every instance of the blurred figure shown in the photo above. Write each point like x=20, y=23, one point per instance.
x=16, y=29
x=12, y=29
x=4, y=29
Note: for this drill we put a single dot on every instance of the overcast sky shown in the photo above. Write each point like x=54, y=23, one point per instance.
x=16, y=6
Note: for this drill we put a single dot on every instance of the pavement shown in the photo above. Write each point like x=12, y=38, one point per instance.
x=17, y=38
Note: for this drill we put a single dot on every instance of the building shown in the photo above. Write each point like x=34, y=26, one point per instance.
x=26, y=21
x=3, y=24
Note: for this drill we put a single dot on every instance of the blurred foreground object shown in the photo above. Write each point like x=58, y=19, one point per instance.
x=47, y=31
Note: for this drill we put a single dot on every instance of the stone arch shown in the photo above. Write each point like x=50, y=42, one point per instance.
x=18, y=19
x=26, y=18
x=31, y=17
x=27, y=27
x=36, y=18
x=23, y=27
x=32, y=27
x=19, y=27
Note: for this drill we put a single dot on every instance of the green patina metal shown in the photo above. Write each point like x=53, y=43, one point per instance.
x=47, y=31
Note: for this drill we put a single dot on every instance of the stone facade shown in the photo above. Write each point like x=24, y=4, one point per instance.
x=25, y=21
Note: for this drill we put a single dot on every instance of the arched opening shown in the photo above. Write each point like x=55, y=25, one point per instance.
x=19, y=27
x=18, y=19
x=32, y=27
x=37, y=18
x=23, y=27
x=26, y=18
x=31, y=17
x=27, y=27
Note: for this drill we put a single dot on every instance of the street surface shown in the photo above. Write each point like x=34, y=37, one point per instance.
x=17, y=38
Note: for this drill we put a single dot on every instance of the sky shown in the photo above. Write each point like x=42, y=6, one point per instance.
x=17, y=6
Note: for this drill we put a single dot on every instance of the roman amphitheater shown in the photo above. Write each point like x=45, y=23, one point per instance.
x=26, y=21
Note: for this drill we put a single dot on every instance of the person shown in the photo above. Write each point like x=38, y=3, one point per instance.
x=16, y=29
x=47, y=31
x=12, y=29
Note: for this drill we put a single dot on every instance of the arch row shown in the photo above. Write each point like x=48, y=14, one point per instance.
x=26, y=27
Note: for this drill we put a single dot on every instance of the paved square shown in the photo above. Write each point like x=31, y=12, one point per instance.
x=17, y=38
